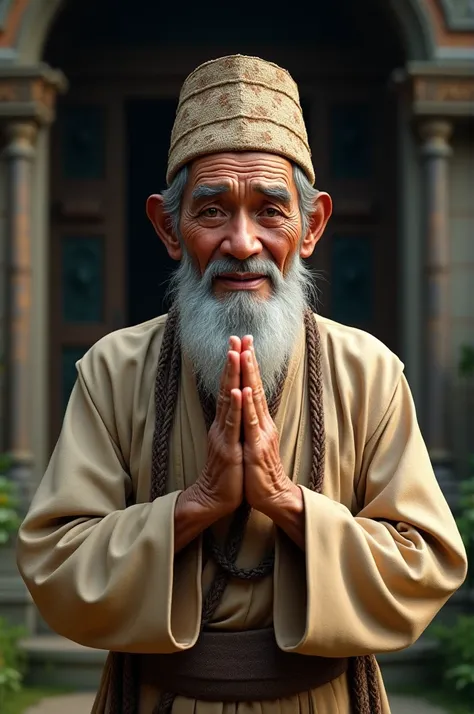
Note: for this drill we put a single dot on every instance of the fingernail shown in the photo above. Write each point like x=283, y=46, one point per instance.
x=249, y=359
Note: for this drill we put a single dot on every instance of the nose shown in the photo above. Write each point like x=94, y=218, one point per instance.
x=241, y=239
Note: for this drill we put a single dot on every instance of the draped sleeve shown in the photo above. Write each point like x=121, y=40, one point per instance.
x=372, y=581
x=103, y=574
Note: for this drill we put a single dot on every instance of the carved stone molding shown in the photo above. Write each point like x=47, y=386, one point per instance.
x=438, y=91
x=459, y=14
x=29, y=92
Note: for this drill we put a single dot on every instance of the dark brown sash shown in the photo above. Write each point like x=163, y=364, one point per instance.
x=238, y=666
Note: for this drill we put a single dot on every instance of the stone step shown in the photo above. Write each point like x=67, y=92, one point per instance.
x=54, y=661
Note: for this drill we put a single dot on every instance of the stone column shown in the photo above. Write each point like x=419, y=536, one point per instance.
x=435, y=151
x=19, y=154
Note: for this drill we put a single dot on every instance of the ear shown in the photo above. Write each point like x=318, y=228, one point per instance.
x=317, y=223
x=162, y=225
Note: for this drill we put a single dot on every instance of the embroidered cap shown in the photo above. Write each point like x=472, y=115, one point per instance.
x=239, y=103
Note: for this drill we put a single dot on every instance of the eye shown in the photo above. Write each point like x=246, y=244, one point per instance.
x=210, y=212
x=271, y=212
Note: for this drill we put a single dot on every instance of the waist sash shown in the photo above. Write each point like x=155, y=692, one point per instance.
x=239, y=666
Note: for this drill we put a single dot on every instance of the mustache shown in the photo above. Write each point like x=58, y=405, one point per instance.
x=233, y=265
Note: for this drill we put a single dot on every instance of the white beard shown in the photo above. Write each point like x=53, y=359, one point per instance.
x=206, y=321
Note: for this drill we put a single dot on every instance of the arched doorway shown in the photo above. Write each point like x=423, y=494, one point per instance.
x=110, y=142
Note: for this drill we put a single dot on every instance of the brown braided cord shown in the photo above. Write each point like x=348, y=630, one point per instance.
x=362, y=675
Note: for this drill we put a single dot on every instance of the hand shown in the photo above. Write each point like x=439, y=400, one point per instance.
x=265, y=482
x=220, y=486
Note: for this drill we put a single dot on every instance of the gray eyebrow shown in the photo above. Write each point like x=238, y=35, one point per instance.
x=205, y=191
x=281, y=193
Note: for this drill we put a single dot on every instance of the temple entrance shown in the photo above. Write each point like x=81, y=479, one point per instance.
x=110, y=143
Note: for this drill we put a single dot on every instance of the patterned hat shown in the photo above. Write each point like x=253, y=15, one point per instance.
x=239, y=103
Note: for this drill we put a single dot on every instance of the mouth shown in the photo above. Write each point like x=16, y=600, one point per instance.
x=241, y=281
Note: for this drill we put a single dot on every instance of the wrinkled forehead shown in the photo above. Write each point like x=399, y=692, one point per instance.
x=233, y=171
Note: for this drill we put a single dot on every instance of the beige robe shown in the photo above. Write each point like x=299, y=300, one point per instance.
x=382, y=556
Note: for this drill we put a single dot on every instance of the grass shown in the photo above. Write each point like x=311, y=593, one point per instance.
x=27, y=697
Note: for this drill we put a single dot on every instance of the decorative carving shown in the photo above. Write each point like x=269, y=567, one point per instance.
x=444, y=89
x=435, y=135
x=21, y=138
x=29, y=94
x=436, y=130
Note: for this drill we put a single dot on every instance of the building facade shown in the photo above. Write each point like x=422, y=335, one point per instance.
x=88, y=93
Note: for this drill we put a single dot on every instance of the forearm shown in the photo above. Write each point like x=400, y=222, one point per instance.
x=288, y=513
x=191, y=517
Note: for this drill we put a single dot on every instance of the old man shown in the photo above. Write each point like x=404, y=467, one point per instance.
x=240, y=507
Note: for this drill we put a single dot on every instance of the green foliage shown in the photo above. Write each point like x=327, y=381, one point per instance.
x=465, y=519
x=19, y=702
x=456, y=653
x=456, y=641
x=466, y=362
x=9, y=518
x=11, y=660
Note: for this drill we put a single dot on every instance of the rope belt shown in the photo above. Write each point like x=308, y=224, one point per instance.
x=239, y=667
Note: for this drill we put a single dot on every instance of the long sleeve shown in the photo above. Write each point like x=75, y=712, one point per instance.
x=374, y=581
x=102, y=574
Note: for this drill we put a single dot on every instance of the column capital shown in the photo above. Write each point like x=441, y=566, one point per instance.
x=20, y=139
x=29, y=93
x=435, y=135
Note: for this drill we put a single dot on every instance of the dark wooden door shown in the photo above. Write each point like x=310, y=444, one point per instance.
x=149, y=123
x=353, y=140
x=87, y=271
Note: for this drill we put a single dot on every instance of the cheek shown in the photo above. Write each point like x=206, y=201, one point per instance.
x=286, y=243
x=199, y=243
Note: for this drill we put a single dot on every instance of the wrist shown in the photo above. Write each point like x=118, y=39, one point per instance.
x=288, y=501
x=198, y=504
x=192, y=516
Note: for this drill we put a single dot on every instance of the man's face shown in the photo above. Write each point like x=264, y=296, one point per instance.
x=240, y=212
x=241, y=205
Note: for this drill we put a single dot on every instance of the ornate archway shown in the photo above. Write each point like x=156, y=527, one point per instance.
x=412, y=20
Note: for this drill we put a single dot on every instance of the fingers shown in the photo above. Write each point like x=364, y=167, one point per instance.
x=234, y=418
x=250, y=417
x=235, y=344
x=246, y=343
x=251, y=378
x=230, y=380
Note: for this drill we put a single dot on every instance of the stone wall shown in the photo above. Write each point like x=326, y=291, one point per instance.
x=462, y=289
